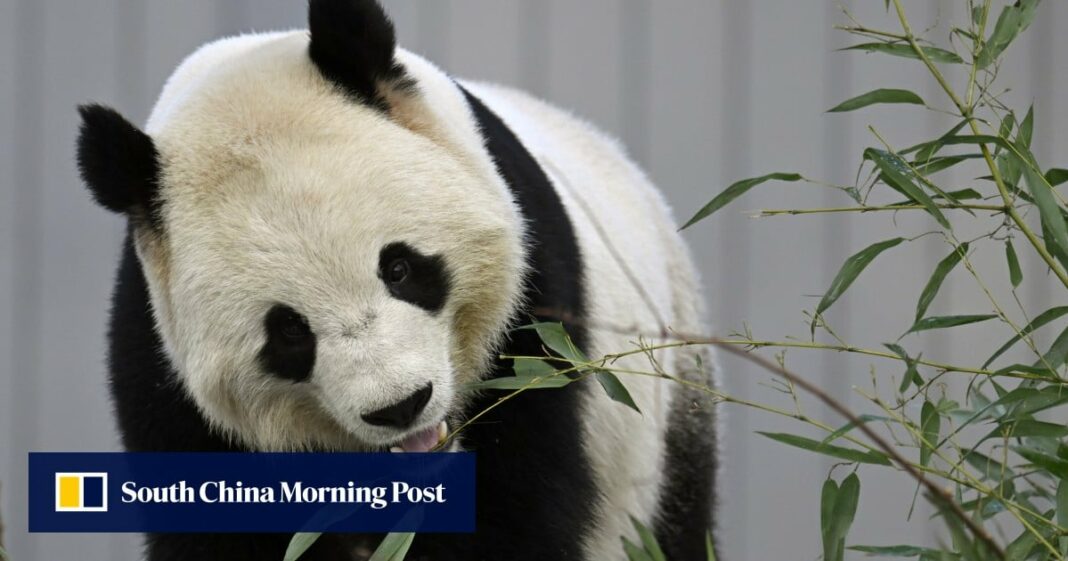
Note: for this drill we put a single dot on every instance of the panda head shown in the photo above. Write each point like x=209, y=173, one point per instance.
x=327, y=264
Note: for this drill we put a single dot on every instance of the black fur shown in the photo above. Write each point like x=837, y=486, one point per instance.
x=427, y=282
x=352, y=44
x=118, y=162
x=289, y=351
x=687, y=490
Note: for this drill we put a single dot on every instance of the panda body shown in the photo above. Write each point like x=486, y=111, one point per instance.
x=273, y=156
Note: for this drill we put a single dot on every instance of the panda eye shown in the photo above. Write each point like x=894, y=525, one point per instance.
x=398, y=271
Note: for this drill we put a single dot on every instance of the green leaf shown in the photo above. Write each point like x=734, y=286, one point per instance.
x=912, y=374
x=1027, y=428
x=1056, y=355
x=710, y=549
x=942, y=322
x=648, y=540
x=893, y=550
x=520, y=383
x=635, y=553
x=883, y=95
x=866, y=418
x=555, y=337
x=1039, y=321
x=828, y=497
x=838, y=507
x=1027, y=127
x=927, y=150
x=935, y=165
x=394, y=547
x=935, y=282
x=1056, y=176
x=299, y=543
x=1056, y=466
x=903, y=50
x=930, y=423
x=4, y=556
x=850, y=270
x=734, y=191
x=1062, y=503
x=531, y=368
x=958, y=195
x=615, y=389
x=1012, y=21
x=1015, y=274
x=897, y=174
x=848, y=454
x=1052, y=221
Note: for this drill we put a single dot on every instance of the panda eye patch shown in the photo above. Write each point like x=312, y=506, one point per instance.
x=415, y=278
x=289, y=351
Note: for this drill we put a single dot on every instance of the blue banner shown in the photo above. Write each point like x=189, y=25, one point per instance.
x=255, y=492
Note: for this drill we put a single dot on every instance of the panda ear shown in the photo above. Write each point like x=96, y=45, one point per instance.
x=352, y=44
x=117, y=161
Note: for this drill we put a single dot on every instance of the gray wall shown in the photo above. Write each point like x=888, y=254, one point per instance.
x=703, y=92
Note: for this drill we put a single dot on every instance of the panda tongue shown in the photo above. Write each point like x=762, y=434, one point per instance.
x=421, y=441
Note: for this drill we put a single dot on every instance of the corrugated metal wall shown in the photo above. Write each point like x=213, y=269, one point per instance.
x=703, y=92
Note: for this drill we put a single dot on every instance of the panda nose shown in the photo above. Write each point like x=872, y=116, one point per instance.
x=401, y=414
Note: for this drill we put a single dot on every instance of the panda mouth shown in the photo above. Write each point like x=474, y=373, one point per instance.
x=423, y=440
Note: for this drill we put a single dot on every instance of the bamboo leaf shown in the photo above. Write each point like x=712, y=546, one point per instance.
x=883, y=95
x=1039, y=321
x=938, y=277
x=648, y=540
x=851, y=269
x=942, y=322
x=897, y=174
x=1012, y=21
x=1015, y=274
x=893, y=550
x=394, y=547
x=927, y=150
x=1056, y=466
x=1056, y=355
x=1027, y=127
x=828, y=498
x=841, y=515
x=930, y=423
x=1062, y=503
x=615, y=389
x=555, y=337
x=866, y=418
x=1027, y=428
x=734, y=191
x=1056, y=176
x=299, y=543
x=848, y=454
x=912, y=374
x=532, y=368
x=710, y=550
x=1052, y=221
x=635, y=553
x=519, y=383
x=903, y=50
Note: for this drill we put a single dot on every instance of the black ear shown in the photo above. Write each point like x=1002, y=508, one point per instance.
x=117, y=161
x=352, y=43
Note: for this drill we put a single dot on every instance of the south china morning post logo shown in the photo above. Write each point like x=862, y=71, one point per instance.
x=251, y=492
x=81, y=492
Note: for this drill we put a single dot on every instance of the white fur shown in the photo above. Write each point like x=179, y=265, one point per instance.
x=277, y=189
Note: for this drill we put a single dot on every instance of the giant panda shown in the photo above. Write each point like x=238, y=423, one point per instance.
x=329, y=238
